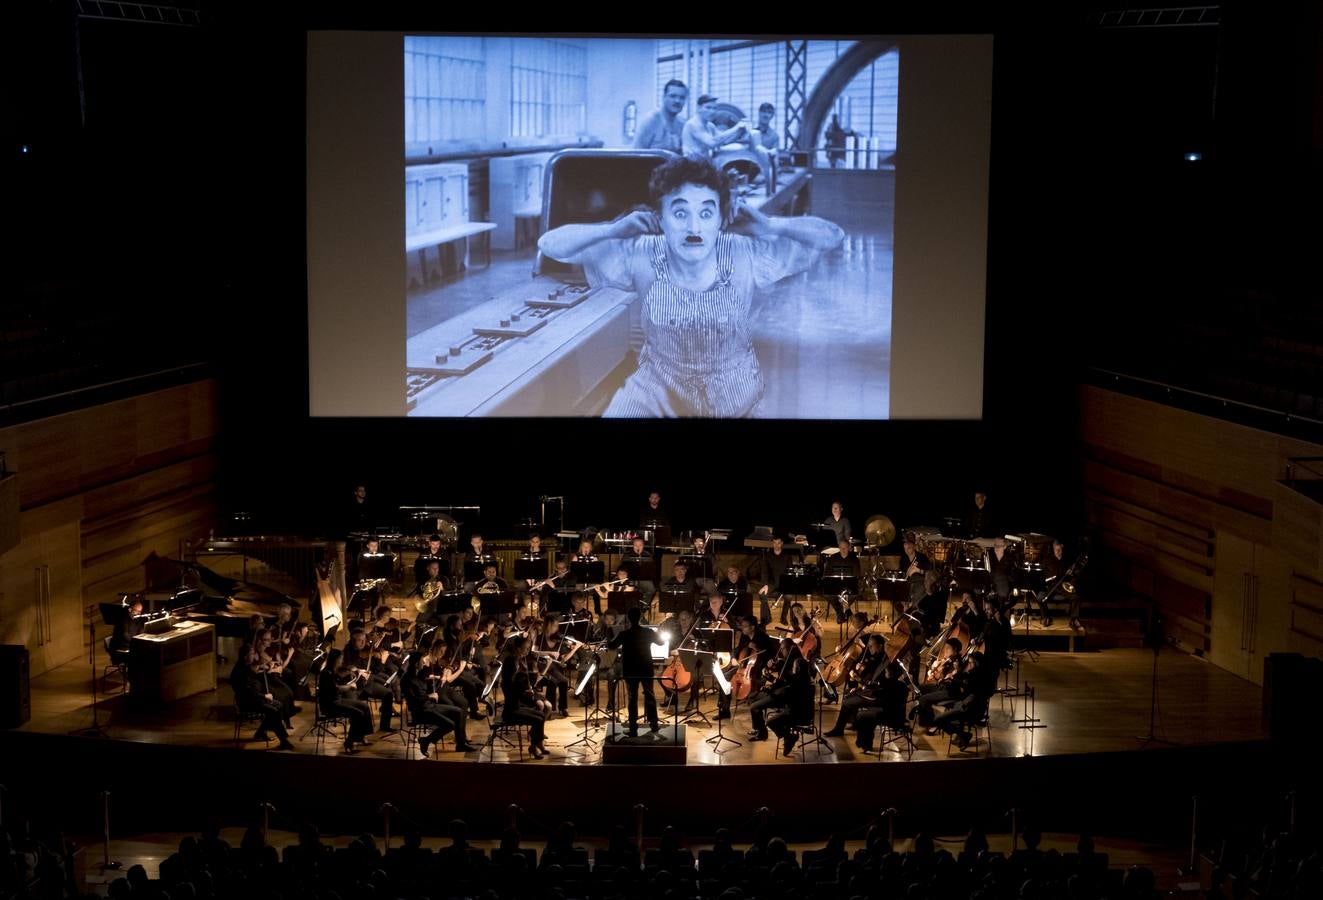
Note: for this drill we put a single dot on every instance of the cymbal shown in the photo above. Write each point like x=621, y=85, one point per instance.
x=879, y=531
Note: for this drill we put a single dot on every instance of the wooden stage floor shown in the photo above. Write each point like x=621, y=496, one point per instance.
x=1095, y=702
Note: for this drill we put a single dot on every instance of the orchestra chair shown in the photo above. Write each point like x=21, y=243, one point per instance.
x=501, y=731
x=414, y=731
x=899, y=736
x=976, y=723
x=116, y=663
x=245, y=716
x=322, y=725
x=798, y=729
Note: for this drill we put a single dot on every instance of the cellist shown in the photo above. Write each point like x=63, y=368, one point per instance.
x=867, y=672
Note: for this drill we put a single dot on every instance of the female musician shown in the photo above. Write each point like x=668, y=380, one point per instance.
x=621, y=586
x=686, y=643
x=786, y=698
x=806, y=630
x=464, y=683
x=379, y=685
x=337, y=696
x=889, y=710
x=425, y=691
x=551, y=665
x=388, y=633
x=941, y=686
x=252, y=694
x=867, y=672
x=265, y=659
x=522, y=706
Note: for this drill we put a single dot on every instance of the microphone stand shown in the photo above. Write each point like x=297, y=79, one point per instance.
x=96, y=729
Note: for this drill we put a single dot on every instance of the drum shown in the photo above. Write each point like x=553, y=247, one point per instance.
x=1034, y=548
x=941, y=551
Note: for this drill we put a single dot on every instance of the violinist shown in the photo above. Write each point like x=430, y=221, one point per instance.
x=298, y=660
x=786, y=698
x=602, y=633
x=975, y=686
x=464, y=683
x=865, y=676
x=942, y=685
x=268, y=661
x=425, y=690
x=337, y=696
x=635, y=645
x=553, y=649
x=252, y=694
x=379, y=683
x=522, y=706
x=387, y=632
x=889, y=710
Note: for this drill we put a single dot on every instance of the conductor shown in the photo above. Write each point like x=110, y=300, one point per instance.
x=635, y=645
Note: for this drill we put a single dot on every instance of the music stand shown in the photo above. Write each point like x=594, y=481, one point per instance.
x=473, y=566
x=832, y=587
x=502, y=603
x=558, y=600
x=800, y=585
x=376, y=565
x=528, y=568
x=723, y=685
x=823, y=688
x=588, y=571
x=450, y=602
x=700, y=565
x=737, y=603
x=673, y=598
x=640, y=568
x=621, y=602
x=589, y=744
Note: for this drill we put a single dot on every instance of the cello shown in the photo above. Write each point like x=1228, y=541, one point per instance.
x=842, y=662
x=806, y=638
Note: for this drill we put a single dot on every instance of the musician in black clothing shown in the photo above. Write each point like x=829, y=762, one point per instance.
x=693, y=657
x=680, y=583
x=1003, y=566
x=867, y=673
x=430, y=585
x=976, y=686
x=653, y=516
x=996, y=634
x=639, y=562
x=944, y=684
x=336, y=696
x=786, y=698
x=360, y=512
x=552, y=648
x=770, y=569
x=252, y=695
x=521, y=704
x=914, y=564
x=1055, y=569
x=127, y=629
x=476, y=559
x=889, y=710
x=978, y=521
x=635, y=645
x=464, y=685
x=753, y=651
x=602, y=632
x=841, y=565
x=931, y=608
x=491, y=583
x=425, y=692
x=424, y=560
x=379, y=685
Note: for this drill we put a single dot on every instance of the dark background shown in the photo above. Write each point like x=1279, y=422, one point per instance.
x=160, y=229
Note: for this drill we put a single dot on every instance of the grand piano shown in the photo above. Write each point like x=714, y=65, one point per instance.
x=199, y=593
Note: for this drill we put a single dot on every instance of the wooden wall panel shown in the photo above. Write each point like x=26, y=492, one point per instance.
x=126, y=479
